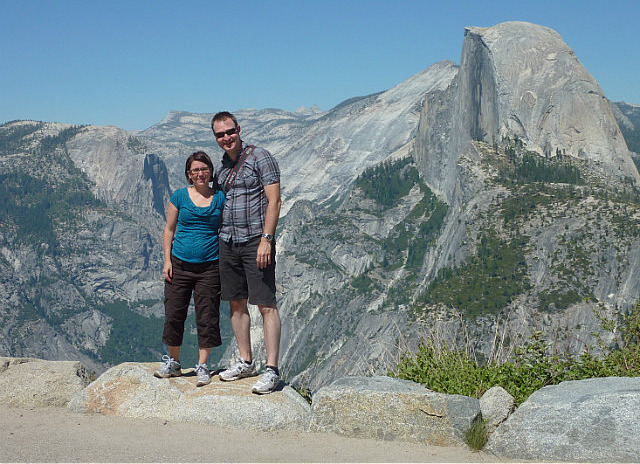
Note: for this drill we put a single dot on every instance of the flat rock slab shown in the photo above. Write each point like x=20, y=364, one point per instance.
x=581, y=420
x=29, y=382
x=131, y=390
x=392, y=409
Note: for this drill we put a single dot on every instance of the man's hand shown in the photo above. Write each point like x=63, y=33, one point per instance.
x=263, y=259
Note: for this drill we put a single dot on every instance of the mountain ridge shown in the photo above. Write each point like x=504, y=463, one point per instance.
x=361, y=268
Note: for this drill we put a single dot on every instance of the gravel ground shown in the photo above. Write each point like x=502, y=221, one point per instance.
x=57, y=435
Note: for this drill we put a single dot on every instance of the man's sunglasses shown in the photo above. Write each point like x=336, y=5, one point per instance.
x=231, y=131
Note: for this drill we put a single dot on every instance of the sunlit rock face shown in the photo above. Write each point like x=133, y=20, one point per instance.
x=520, y=79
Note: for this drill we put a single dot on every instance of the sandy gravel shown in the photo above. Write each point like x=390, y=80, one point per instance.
x=57, y=435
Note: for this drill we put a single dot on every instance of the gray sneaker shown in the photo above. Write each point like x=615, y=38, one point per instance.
x=171, y=368
x=204, y=376
x=239, y=370
x=267, y=382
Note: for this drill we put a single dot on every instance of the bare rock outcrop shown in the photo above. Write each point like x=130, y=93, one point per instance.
x=28, y=382
x=131, y=390
x=393, y=409
x=496, y=404
x=519, y=79
x=583, y=420
x=593, y=420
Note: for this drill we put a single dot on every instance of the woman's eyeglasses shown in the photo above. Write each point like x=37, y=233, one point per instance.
x=195, y=171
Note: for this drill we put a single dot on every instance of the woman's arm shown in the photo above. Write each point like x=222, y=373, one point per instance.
x=167, y=240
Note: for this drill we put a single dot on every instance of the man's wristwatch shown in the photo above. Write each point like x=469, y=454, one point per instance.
x=268, y=237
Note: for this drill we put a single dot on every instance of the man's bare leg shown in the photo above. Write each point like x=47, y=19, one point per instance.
x=272, y=328
x=241, y=325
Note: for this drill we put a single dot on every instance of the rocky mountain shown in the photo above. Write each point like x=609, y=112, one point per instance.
x=520, y=80
x=470, y=204
x=322, y=153
x=628, y=117
x=79, y=241
x=524, y=217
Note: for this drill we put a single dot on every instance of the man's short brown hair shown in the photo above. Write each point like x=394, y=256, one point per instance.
x=224, y=115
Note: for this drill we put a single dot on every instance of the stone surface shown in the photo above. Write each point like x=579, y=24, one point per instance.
x=522, y=79
x=496, y=404
x=586, y=420
x=28, y=382
x=583, y=420
x=131, y=390
x=392, y=409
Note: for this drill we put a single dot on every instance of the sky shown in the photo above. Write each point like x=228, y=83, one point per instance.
x=128, y=63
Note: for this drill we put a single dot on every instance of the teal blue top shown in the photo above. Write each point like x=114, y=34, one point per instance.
x=196, y=239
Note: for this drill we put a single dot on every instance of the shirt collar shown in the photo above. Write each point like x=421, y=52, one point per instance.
x=226, y=159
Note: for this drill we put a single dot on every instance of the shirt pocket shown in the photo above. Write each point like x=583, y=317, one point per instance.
x=250, y=180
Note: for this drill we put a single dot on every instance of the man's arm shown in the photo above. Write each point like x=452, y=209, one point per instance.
x=272, y=192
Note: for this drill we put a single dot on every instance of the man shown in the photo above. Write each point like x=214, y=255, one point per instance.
x=250, y=178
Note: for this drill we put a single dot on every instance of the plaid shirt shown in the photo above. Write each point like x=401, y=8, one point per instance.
x=246, y=204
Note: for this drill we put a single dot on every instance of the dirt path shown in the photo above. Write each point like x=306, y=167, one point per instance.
x=57, y=435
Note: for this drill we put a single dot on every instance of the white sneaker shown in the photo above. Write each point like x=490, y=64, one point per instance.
x=170, y=368
x=267, y=382
x=239, y=370
x=203, y=375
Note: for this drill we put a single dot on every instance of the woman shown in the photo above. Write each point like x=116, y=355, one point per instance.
x=191, y=266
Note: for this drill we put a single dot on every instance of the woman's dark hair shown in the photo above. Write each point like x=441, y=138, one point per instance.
x=203, y=158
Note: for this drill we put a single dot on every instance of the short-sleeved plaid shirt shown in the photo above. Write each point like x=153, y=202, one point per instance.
x=246, y=204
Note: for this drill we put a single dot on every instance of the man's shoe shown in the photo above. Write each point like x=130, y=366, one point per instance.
x=267, y=382
x=171, y=368
x=204, y=376
x=239, y=370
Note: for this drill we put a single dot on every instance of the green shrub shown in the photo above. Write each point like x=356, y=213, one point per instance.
x=455, y=371
x=477, y=435
x=444, y=370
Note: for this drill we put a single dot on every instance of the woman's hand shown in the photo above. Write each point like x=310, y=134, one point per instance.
x=167, y=271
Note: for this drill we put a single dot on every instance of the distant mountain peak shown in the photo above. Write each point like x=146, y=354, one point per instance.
x=315, y=109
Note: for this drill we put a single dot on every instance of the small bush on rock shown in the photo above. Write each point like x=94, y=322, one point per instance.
x=455, y=371
x=477, y=435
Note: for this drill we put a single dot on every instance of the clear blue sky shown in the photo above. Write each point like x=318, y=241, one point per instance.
x=127, y=63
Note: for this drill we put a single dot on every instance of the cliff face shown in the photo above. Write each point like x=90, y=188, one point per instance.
x=80, y=241
x=320, y=154
x=628, y=117
x=540, y=194
x=122, y=171
x=517, y=82
x=520, y=79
